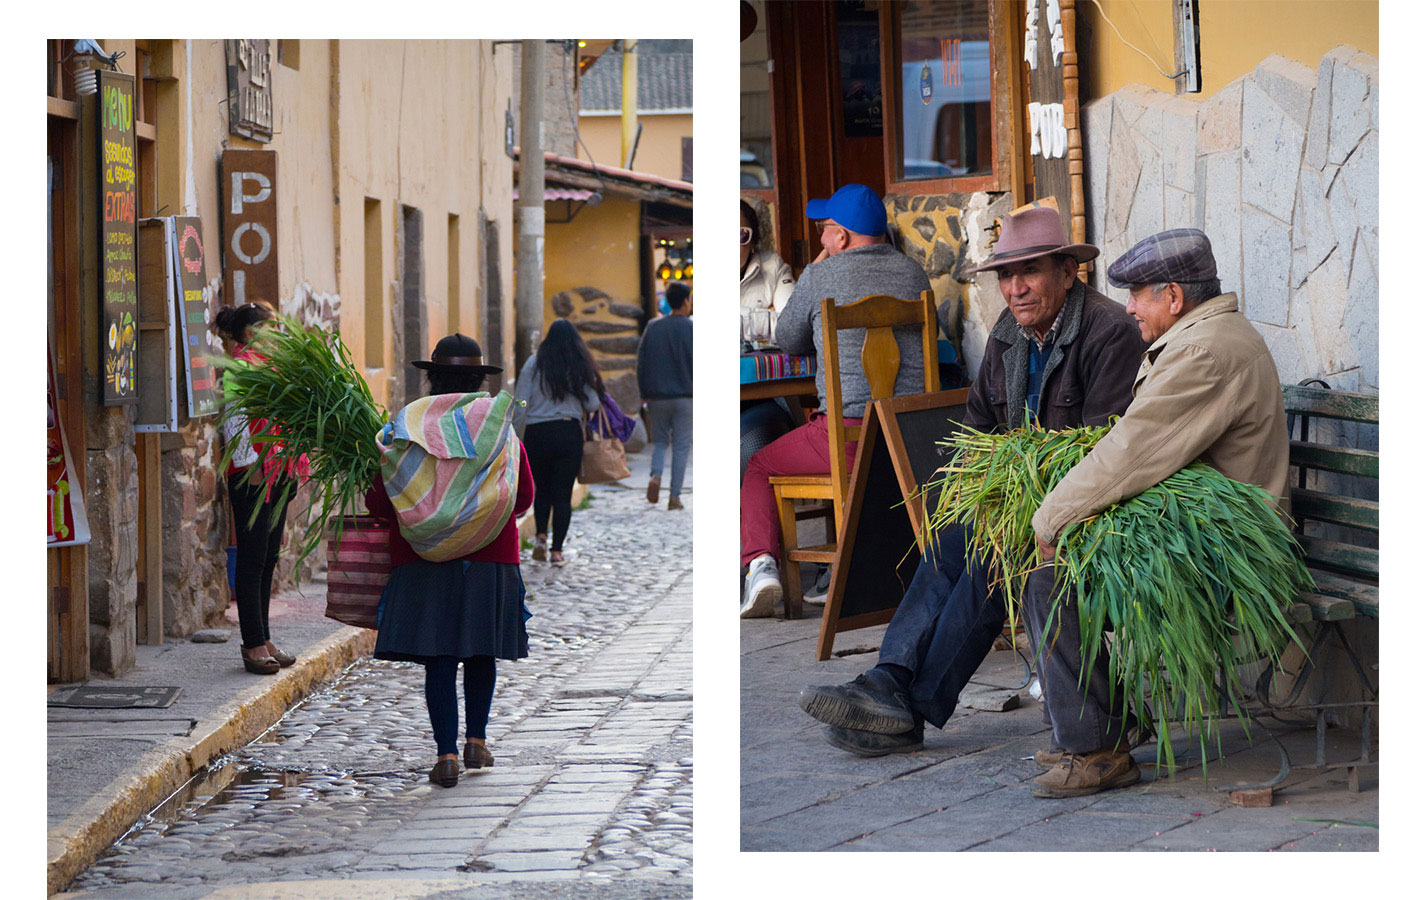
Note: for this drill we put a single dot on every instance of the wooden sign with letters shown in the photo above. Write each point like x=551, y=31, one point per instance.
x=248, y=227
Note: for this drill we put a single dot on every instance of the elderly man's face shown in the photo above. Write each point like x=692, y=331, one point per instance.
x=1156, y=307
x=1036, y=288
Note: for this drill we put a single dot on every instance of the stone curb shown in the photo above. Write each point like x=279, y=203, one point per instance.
x=79, y=840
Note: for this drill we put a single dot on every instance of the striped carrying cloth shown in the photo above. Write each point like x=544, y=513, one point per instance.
x=450, y=465
x=358, y=570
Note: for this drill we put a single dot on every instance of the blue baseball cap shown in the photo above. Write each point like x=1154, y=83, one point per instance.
x=854, y=207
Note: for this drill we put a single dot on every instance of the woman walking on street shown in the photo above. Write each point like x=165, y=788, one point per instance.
x=250, y=487
x=467, y=610
x=561, y=386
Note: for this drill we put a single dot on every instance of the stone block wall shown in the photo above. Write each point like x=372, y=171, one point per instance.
x=1280, y=169
x=611, y=330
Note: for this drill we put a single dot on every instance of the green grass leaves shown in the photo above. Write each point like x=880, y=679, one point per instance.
x=314, y=402
x=1192, y=576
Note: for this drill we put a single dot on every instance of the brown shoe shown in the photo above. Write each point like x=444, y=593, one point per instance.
x=1077, y=774
x=476, y=756
x=444, y=773
x=259, y=665
x=675, y=503
x=286, y=660
x=1047, y=759
x=652, y=492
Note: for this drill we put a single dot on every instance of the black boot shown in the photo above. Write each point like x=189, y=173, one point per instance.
x=873, y=701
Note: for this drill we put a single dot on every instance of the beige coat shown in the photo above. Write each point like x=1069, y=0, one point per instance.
x=1208, y=390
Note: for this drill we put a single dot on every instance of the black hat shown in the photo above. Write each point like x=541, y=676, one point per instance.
x=457, y=353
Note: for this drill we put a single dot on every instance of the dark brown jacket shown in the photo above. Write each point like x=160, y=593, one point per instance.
x=1088, y=377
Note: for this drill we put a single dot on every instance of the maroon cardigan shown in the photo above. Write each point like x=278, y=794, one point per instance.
x=505, y=547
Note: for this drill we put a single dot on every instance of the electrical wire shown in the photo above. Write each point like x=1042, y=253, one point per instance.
x=1098, y=4
x=575, y=121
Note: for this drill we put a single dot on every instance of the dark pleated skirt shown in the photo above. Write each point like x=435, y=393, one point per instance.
x=456, y=608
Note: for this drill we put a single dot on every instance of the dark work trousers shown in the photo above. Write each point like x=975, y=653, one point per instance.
x=440, y=689
x=946, y=625
x=1083, y=720
x=554, y=451
x=257, y=550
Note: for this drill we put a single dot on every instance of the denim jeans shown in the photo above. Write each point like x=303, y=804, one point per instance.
x=672, y=416
x=946, y=625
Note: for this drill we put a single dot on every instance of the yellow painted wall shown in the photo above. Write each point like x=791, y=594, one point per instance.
x=659, y=152
x=599, y=249
x=1235, y=35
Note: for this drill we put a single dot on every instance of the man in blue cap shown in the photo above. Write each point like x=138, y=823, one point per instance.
x=856, y=261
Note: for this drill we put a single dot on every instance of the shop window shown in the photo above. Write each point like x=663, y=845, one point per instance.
x=373, y=284
x=755, y=154
x=941, y=95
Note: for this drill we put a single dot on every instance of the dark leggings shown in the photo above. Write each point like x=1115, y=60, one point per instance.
x=257, y=550
x=554, y=451
x=440, y=689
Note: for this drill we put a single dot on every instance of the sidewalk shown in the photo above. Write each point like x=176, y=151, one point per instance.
x=107, y=768
x=968, y=789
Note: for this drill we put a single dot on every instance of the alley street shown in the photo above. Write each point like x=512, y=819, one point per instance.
x=592, y=786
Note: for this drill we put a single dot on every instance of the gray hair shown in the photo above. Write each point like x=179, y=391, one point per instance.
x=1193, y=292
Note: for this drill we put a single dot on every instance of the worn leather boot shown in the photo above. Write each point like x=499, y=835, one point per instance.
x=870, y=702
x=1078, y=774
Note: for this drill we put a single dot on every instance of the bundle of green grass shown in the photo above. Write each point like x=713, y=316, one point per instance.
x=313, y=402
x=1193, y=576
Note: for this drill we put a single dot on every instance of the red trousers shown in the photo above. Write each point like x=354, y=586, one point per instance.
x=802, y=451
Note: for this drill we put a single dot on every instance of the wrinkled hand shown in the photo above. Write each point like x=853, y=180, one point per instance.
x=1046, y=551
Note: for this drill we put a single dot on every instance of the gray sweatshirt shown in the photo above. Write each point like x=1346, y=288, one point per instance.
x=847, y=277
x=539, y=405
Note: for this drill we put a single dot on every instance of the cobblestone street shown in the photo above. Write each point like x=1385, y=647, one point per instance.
x=593, y=783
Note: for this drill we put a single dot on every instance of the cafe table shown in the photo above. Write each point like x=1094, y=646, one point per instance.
x=768, y=374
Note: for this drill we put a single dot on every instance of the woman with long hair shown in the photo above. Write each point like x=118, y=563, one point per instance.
x=561, y=386
x=252, y=479
x=470, y=609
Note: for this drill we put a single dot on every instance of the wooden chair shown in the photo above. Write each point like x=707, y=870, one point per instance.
x=880, y=360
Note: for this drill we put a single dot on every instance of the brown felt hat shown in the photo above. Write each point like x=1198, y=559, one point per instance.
x=1031, y=233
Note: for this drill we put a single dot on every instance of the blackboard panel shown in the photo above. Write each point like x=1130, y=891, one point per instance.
x=913, y=427
x=883, y=550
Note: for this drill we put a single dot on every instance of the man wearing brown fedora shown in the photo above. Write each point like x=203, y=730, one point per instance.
x=1064, y=355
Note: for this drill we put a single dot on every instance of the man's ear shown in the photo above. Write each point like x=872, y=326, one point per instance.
x=1178, y=299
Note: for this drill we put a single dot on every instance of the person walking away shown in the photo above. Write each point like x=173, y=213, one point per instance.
x=665, y=372
x=252, y=479
x=560, y=386
x=469, y=610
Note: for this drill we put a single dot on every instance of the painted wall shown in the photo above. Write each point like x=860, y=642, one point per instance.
x=1230, y=39
x=593, y=279
x=660, y=151
x=356, y=119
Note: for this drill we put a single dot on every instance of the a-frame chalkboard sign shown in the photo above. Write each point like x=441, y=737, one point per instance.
x=879, y=539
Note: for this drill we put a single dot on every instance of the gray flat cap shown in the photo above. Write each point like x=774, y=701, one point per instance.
x=1181, y=254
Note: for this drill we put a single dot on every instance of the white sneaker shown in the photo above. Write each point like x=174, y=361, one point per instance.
x=817, y=594
x=763, y=589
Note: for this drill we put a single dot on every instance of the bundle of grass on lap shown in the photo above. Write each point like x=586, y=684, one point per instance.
x=310, y=399
x=1193, y=575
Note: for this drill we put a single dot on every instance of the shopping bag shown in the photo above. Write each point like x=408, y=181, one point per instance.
x=603, y=459
x=358, y=570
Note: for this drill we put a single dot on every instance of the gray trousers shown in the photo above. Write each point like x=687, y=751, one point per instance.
x=1083, y=719
x=674, y=417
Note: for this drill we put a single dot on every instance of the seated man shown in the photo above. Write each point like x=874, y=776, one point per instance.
x=1207, y=389
x=855, y=262
x=1065, y=353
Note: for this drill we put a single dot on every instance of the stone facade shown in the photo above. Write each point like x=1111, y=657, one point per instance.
x=1280, y=168
x=111, y=498
x=612, y=332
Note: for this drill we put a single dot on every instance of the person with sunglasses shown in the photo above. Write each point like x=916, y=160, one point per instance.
x=764, y=282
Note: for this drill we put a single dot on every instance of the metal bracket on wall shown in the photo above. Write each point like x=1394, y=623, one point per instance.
x=1190, y=45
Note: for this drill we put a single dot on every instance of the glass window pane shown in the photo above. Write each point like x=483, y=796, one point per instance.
x=945, y=108
x=755, y=107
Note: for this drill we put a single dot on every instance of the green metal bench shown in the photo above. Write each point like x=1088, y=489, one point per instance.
x=1345, y=574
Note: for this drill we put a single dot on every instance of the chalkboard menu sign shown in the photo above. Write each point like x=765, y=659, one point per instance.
x=879, y=550
x=203, y=390
x=118, y=242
